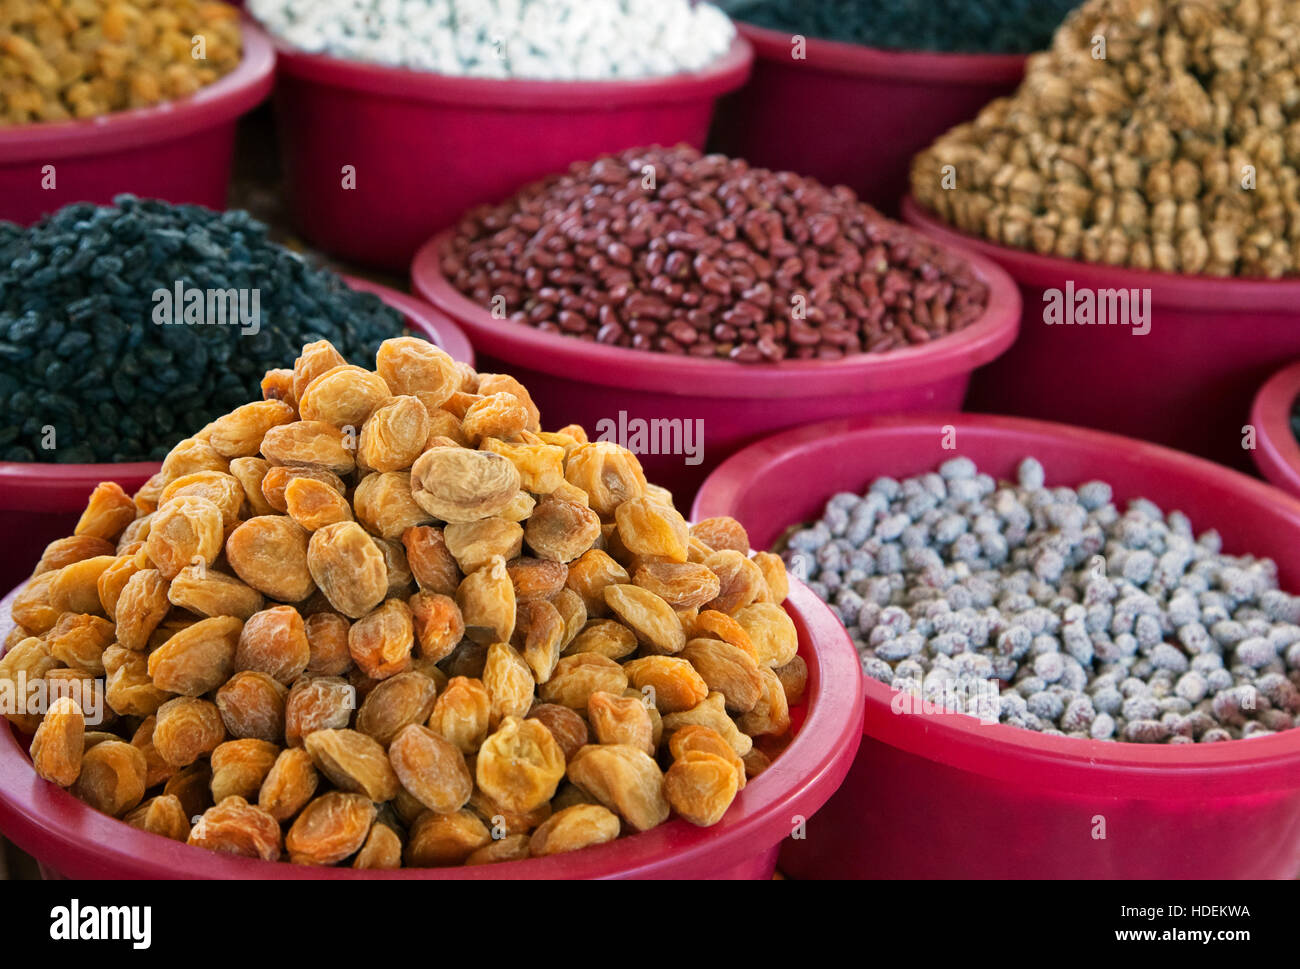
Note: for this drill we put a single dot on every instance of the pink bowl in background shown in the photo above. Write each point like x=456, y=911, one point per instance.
x=944, y=796
x=854, y=115
x=1277, y=453
x=72, y=840
x=40, y=502
x=1188, y=383
x=576, y=381
x=178, y=151
x=426, y=147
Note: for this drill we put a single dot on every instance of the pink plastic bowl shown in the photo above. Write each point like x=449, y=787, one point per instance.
x=1188, y=383
x=426, y=147
x=853, y=115
x=1276, y=453
x=75, y=841
x=574, y=381
x=178, y=151
x=942, y=796
x=41, y=502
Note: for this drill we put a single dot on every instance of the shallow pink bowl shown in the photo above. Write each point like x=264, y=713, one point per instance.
x=943, y=796
x=179, y=151
x=1276, y=453
x=40, y=502
x=75, y=841
x=576, y=381
x=1187, y=384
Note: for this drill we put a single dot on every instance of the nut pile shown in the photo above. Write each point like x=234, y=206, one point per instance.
x=382, y=619
x=86, y=357
x=669, y=250
x=67, y=59
x=1095, y=623
x=553, y=40
x=966, y=26
x=1175, y=151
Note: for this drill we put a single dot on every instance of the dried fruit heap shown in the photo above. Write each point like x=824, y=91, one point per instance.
x=383, y=619
x=1154, y=134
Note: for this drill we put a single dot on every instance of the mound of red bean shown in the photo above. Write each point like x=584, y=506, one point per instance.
x=670, y=250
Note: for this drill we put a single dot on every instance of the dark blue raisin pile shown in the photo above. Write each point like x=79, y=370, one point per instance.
x=79, y=351
x=952, y=26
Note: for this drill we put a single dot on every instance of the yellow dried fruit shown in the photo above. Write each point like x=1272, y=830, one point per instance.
x=108, y=512
x=772, y=631
x=330, y=828
x=235, y=827
x=475, y=544
x=654, y=622
x=700, y=787
x=59, y=743
x=209, y=593
x=578, y=676
x=239, y=767
x=621, y=720
x=712, y=713
x=462, y=713
x=314, y=504
x=198, y=658
x=405, y=699
x=348, y=567
x=431, y=769
x=274, y=641
x=381, y=642
x=609, y=474
x=162, y=815
x=289, y=785
x=187, y=728
x=112, y=778
x=574, y=828
x=561, y=530
x=252, y=706
x=239, y=434
x=623, y=779
x=459, y=485
x=728, y=670
x=520, y=765
x=606, y=637
x=415, y=367
x=487, y=603
x=439, y=840
x=185, y=531
x=354, y=762
x=269, y=553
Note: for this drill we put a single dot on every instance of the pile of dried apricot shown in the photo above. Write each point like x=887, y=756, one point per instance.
x=383, y=619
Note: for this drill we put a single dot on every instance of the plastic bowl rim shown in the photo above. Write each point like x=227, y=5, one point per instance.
x=627, y=369
x=1277, y=452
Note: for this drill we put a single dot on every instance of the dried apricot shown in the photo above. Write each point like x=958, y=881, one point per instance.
x=207, y=592
x=520, y=765
x=74, y=548
x=722, y=533
x=487, y=603
x=218, y=487
x=625, y=780
x=251, y=705
x=728, y=670
x=75, y=587
x=439, y=626
x=187, y=728
x=648, y=527
x=574, y=828
x=251, y=474
x=240, y=767
x=354, y=762
x=31, y=608
x=578, y=676
x=276, y=480
x=609, y=474
x=536, y=578
x=348, y=567
x=774, y=575
x=327, y=642
x=394, y=434
x=772, y=631
x=309, y=444
x=606, y=637
x=411, y=366
x=509, y=683
x=513, y=847
x=385, y=504
x=330, y=828
x=561, y=530
x=656, y=625
x=540, y=466
x=431, y=769
x=431, y=562
x=112, y=778
x=439, y=840
x=198, y=659
x=59, y=743
x=381, y=641
x=770, y=715
x=184, y=531
x=589, y=575
x=459, y=485
x=567, y=727
x=621, y=720
x=316, y=358
x=675, y=684
x=235, y=827
x=317, y=703
x=192, y=786
x=128, y=688
x=274, y=641
x=344, y=396
x=709, y=741
x=289, y=785
x=462, y=714
x=108, y=512
x=239, y=434
x=683, y=585
x=475, y=544
x=701, y=786
x=404, y=699
x=314, y=504
x=269, y=553
x=711, y=713
x=162, y=815
x=382, y=850
x=794, y=680
x=79, y=641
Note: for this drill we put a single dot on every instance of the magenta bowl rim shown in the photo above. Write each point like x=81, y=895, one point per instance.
x=1277, y=453
x=627, y=369
x=421, y=318
x=223, y=100
x=1203, y=294
x=1001, y=750
x=808, y=770
x=725, y=73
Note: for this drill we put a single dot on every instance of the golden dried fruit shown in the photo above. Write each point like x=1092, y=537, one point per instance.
x=185, y=531
x=540, y=466
x=432, y=564
x=75, y=587
x=566, y=726
x=218, y=487
x=722, y=533
x=439, y=625
x=462, y=714
x=794, y=680
x=79, y=641
x=31, y=608
x=162, y=815
x=609, y=474
x=415, y=367
x=197, y=659
x=74, y=548
x=561, y=530
x=309, y=444
x=276, y=481
x=252, y=706
x=770, y=715
x=59, y=743
x=239, y=434
x=382, y=850
x=683, y=585
x=569, y=605
x=701, y=786
x=509, y=683
x=316, y=359
x=394, y=434
x=269, y=553
x=539, y=634
x=774, y=575
x=186, y=457
x=711, y=713
x=513, y=847
x=709, y=741
x=343, y=396
x=459, y=485
x=112, y=778
x=289, y=785
x=140, y=608
x=772, y=631
x=621, y=720
x=728, y=670
x=239, y=767
x=192, y=786
x=741, y=582
x=251, y=474
x=187, y=728
x=330, y=828
x=578, y=676
x=431, y=769
x=108, y=512
x=208, y=592
x=623, y=779
x=488, y=384
x=274, y=641
x=475, y=544
x=710, y=623
x=354, y=762
x=386, y=506
x=648, y=527
x=536, y=578
x=348, y=567
x=235, y=827
x=381, y=642
x=314, y=504
x=673, y=682
x=327, y=642
x=395, y=703
x=487, y=603
x=606, y=637
x=574, y=828
x=440, y=840
x=520, y=765
x=656, y=626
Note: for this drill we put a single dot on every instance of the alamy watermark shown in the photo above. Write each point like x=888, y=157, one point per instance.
x=1084, y=306
x=974, y=697
x=208, y=307
x=20, y=695
x=656, y=436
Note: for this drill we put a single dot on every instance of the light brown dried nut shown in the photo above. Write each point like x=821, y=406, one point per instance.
x=683, y=585
x=728, y=670
x=354, y=762
x=197, y=659
x=192, y=787
x=794, y=680
x=59, y=743
x=571, y=609
x=459, y=485
x=218, y=487
x=274, y=641
x=316, y=358
x=700, y=787
x=709, y=741
x=385, y=505
x=623, y=779
x=381, y=642
x=774, y=574
x=711, y=713
x=566, y=726
x=621, y=720
x=462, y=713
x=330, y=828
x=327, y=642
x=187, y=728
x=441, y=840
x=343, y=396
x=432, y=564
x=252, y=707
x=317, y=703
x=128, y=689
x=404, y=699
x=309, y=444
x=31, y=608
x=656, y=626
x=487, y=603
x=290, y=784
x=75, y=587
x=513, y=847
x=209, y=593
x=742, y=582
x=314, y=504
x=235, y=827
x=239, y=434
x=561, y=530
x=670, y=683
x=269, y=553
x=412, y=366
x=540, y=466
x=606, y=637
x=108, y=511
x=574, y=828
x=475, y=544
x=439, y=626
x=394, y=435
x=162, y=815
x=348, y=567
x=74, y=548
x=539, y=635
x=772, y=631
x=276, y=481
x=578, y=676
x=647, y=527
x=509, y=682
x=609, y=474
x=112, y=778
x=79, y=641
x=536, y=578
x=382, y=850
x=722, y=533
x=500, y=383
x=771, y=715
x=431, y=769
x=239, y=767
x=520, y=765
x=251, y=475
